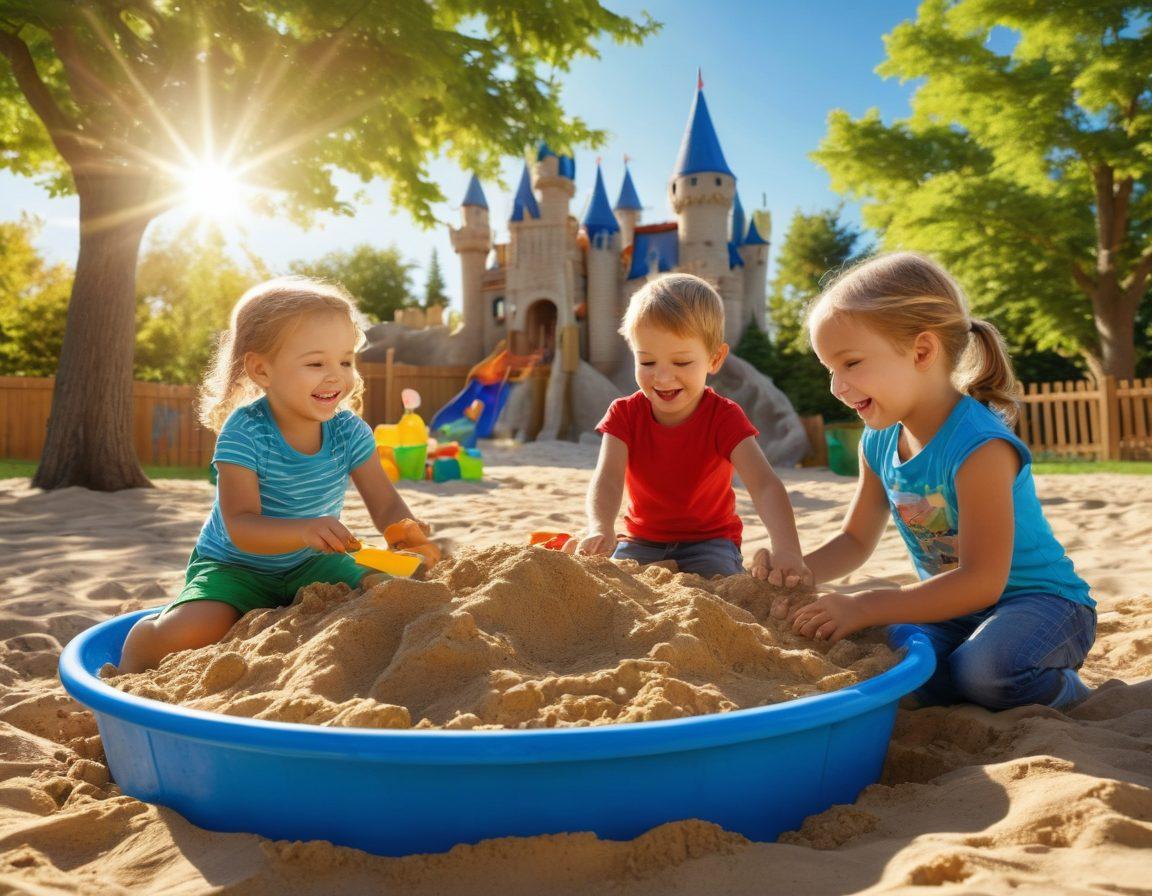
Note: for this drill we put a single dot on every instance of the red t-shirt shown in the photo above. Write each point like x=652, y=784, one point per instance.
x=679, y=478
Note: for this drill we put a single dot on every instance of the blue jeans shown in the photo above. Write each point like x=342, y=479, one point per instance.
x=714, y=557
x=1024, y=649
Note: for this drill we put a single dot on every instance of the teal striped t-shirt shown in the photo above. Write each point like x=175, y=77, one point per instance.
x=292, y=485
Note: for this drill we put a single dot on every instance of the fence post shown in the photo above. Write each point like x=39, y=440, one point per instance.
x=1109, y=419
x=389, y=373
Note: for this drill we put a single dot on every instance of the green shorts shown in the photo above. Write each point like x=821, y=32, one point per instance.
x=246, y=589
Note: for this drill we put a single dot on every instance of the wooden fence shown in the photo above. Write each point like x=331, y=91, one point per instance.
x=1109, y=420
x=1106, y=420
x=165, y=431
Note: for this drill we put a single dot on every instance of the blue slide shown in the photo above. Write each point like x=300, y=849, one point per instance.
x=492, y=394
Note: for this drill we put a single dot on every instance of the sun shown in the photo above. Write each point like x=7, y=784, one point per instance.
x=212, y=190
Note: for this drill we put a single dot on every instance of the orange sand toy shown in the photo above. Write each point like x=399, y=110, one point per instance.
x=553, y=541
x=409, y=536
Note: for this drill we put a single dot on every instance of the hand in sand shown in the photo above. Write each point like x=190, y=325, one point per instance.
x=327, y=534
x=596, y=543
x=831, y=617
x=783, y=571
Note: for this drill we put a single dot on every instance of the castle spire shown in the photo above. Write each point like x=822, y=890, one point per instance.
x=475, y=194
x=628, y=199
x=700, y=148
x=754, y=238
x=599, y=221
x=525, y=202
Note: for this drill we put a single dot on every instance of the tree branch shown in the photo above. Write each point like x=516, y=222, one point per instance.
x=63, y=132
x=1135, y=284
x=86, y=86
x=1105, y=217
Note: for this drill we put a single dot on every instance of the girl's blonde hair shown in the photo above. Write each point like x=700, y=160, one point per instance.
x=681, y=304
x=260, y=320
x=903, y=294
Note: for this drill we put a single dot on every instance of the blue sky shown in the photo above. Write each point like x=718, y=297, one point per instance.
x=772, y=72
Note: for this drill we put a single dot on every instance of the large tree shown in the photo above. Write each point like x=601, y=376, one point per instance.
x=434, y=285
x=115, y=100
x=1025, y=165
x=379, y=279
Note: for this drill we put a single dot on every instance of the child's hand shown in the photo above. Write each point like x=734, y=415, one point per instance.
x=831, y=617
x=596, y=543
x=412, y=536
x=327, y=534
x=781, y=569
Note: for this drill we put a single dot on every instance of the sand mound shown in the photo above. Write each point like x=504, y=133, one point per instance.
x=511, y=637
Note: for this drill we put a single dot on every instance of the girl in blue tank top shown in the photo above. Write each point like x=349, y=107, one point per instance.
x=1007, y=615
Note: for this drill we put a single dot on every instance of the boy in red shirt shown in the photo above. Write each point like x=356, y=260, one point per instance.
x=674, y=444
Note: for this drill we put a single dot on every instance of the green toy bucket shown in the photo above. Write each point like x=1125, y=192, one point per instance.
x=843, y=441
x=471, y=464
x=410, y=460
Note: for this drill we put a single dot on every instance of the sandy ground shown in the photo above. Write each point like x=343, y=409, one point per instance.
x=1029, y=801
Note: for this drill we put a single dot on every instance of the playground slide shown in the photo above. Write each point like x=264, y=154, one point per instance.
x=492, y=394
x=487, y=381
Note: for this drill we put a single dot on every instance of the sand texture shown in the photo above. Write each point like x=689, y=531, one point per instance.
x=1029, y=801
x=510, y=637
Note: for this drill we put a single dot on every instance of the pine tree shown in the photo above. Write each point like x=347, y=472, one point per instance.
x=434, y=288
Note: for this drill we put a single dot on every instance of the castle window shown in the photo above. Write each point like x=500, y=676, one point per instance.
x=717, y=181
x=498, y=309
x=673, y=187
x=693, y=181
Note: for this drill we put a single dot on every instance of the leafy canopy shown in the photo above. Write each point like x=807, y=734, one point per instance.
x=286, y=93
x=1025, y=171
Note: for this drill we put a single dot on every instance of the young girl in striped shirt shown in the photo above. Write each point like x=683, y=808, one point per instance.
x=282, y=393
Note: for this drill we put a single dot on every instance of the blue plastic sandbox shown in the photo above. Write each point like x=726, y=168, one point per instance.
x=756, y=771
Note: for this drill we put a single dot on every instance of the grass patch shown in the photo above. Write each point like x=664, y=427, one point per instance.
x=1073, y=467
x=15, y=469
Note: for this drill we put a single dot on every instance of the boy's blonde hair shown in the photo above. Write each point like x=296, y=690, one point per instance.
x=903, y=294
x=681, y=304
x=260, y=320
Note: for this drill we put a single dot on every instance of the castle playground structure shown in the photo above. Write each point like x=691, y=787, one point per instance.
x=558, y=288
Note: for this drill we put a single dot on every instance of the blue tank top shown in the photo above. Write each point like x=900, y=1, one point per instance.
x=922, y=499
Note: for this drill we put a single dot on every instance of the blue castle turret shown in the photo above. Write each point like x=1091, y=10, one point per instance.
x=599, y=222
x=475, y=194
x=524, y=203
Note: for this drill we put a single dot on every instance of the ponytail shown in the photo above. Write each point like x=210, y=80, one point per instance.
x=986, y=373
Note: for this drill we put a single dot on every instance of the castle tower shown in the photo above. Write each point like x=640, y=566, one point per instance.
x=603, y=267
x=471, y=241
x=701, y=192
x=556, y=180
x=628, y=209
x=754, y=251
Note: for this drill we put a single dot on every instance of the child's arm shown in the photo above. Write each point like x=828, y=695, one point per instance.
x=984, y=495
x=384, y=503
x=860, y=533
x=251, y=531
x=605, y=492
x=784, y=564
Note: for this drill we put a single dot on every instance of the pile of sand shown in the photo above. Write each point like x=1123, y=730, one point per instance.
x=510, y=637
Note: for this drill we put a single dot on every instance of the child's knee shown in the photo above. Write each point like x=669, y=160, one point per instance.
x=983, y=678
x=184, y=627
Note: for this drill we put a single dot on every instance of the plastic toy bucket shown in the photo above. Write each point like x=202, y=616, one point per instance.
x=757, y=771
x=471, y=464
x=410, y=460
x=843, y=443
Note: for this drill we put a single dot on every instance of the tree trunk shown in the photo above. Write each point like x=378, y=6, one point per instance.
x=1115, y=319
x=89, y=438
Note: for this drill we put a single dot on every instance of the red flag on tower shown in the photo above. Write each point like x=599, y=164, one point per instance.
x=699, y=79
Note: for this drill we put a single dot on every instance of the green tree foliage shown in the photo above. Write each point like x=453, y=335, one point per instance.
x=815, y=246
x=434, y=286
x=116, y=100
x=379, y=279
x=33, y=302
x=1026, y=172
x=186, y=286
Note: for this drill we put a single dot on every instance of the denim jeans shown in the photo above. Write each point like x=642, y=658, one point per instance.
x=1024, y=649
x=714, y=557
